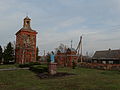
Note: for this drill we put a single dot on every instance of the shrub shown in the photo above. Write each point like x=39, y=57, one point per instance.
x=34, y=63
x=24, y=65
x=28, y=64
x=73, y=64
x=39, y=68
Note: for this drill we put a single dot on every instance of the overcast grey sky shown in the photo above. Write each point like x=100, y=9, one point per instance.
x=60, y=21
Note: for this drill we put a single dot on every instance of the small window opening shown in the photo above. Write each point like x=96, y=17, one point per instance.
x=28, y=22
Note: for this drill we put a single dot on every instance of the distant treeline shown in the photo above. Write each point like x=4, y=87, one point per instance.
x=7, y=55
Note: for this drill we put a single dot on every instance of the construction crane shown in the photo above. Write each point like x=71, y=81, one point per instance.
x=79, y=50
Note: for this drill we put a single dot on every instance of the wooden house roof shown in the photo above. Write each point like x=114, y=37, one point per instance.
x=107, y=54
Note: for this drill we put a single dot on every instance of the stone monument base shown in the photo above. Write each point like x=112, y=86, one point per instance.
x=52, y=67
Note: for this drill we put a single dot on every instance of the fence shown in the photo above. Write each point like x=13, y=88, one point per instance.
x=100, y=66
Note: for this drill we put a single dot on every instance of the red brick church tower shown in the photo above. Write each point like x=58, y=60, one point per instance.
x=25, y=43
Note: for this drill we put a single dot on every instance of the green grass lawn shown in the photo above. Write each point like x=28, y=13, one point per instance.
x=85, y=79
x=7, y=66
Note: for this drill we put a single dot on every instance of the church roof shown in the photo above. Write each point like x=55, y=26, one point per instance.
x=66, y=50
x=26, y=30
x=71, y=49
x=27, y=18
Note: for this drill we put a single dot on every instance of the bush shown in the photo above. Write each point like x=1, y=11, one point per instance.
x=28, y=64
x=34, y=63
x=24, y=65
x=73, y=64
x=39, y=68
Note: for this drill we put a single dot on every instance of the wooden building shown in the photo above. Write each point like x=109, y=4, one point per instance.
x=107, y=57
x=26, y=43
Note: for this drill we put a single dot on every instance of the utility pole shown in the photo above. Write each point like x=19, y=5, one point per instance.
x=71, y=44
x=81, y=49
x=44, y=53
x=71, y=53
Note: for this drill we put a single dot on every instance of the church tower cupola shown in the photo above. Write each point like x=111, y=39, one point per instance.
x=26, y=24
